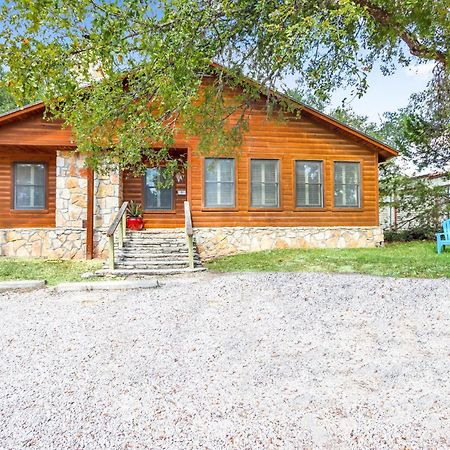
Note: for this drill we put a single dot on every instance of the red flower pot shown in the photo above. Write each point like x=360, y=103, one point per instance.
x=135, y=223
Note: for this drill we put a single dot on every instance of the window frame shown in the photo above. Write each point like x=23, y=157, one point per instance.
x=14, y=209
x=348, y=207
x=157, y=210
x=250, y=186
x=322, y=184
x=219, y=207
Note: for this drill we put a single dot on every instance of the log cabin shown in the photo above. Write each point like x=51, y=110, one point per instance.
x=306, y=181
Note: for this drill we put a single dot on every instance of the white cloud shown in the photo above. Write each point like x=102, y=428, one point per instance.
x=423, y=71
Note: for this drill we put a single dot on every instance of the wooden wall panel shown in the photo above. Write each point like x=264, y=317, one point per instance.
x=305, y=137
x=290, y=140
x=33, y=129
x=10, y=218
x=133, y=189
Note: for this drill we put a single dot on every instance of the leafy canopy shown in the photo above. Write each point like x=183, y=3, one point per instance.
x=125, y=75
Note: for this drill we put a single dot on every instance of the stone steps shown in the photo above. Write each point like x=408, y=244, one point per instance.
x=153, y=251
x=154, y=256
x=152, y=265
x=148, y=272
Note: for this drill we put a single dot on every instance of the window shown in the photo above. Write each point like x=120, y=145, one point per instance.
x=29, y=186
x=219, y=182
x=309, y=192
x=347, y=184
x=158, y=194
x=264, y=175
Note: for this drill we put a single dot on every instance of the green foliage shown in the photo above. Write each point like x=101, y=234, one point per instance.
x=412, y=234
x=414, y=259
x=427, y=125
x=54, y=271
x=6, y=99
x=125, y=75
x=389, y=129
x=134, y=209
x=420, y=205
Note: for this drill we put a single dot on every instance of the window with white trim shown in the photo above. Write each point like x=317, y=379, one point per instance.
x=265, y=186
x=309, y=185
x=29, y=186
x=158, y=191
x=219, y=182
x=347, y=184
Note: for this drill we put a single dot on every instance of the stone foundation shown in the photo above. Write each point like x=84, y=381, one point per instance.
x=215, y=242
x=52, y=243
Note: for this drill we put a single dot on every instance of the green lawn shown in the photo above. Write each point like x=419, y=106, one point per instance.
x=54, y=271
x=411, y=259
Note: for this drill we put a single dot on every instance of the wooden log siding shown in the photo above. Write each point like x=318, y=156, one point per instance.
x=10, y=218
x=32, y=129
x=27, y=136
x=133, y=190
x=296, y=139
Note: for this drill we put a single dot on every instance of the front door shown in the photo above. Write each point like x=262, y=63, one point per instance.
x=159, y=193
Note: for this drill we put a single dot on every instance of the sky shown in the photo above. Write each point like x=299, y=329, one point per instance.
x=385, y=93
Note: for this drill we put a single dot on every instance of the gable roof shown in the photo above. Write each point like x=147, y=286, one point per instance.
x=384, y=151
x=22, y=112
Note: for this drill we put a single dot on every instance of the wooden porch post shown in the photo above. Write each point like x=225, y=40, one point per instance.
x=90, y=215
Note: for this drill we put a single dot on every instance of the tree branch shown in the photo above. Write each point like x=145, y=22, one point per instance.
x=416, y=47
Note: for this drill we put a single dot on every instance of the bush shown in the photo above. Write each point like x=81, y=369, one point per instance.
x=412, y=234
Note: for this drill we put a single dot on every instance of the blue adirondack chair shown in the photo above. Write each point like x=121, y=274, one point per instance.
x=443, y=239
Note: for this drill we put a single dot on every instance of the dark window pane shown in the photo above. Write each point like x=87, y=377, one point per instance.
x=219, y=182
x=264, y=183
x=309, y=183
x=29, y=186
x=157, y=195
x=347, y=184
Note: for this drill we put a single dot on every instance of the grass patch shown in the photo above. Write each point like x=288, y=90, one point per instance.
x=409, y=259
x=54, y=271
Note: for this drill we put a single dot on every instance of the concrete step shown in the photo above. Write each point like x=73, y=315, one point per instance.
x=157, y=231
x=150, y=265
x=154, y=256
x=126, y=272
x=156, y=242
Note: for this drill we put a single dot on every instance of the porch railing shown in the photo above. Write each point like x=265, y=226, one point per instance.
x=189, y=233
x=121, y=218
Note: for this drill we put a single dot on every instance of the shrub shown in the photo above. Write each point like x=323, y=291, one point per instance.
x=412, y=234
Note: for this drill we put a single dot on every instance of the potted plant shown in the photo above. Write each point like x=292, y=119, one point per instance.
x=135, y=221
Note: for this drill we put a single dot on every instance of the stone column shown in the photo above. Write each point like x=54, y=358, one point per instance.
x=71, y=188
x=108, y=198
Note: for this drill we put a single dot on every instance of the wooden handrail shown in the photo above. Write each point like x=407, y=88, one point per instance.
x=188, y=219
x=116, y=221
x=121, y=218
x=189, y=233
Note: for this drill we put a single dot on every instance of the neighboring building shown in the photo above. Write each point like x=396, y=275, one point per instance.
x=394, y=218
x=308, y=181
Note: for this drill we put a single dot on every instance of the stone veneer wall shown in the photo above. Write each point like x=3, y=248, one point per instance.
x=52, y=243
x=215, y=242
x=68, y=239
x=71, y=188
x=108, y=198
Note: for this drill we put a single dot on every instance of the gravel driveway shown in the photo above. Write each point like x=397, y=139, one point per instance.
x=229, y=361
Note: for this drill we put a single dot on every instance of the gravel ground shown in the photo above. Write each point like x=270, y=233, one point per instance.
x=229, y=361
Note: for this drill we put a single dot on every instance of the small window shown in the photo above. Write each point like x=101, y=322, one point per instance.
x=29, y=186
x=309, y=187
x=158, y=193
x=265, y=183
x=219, y=182
x=347, y=184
